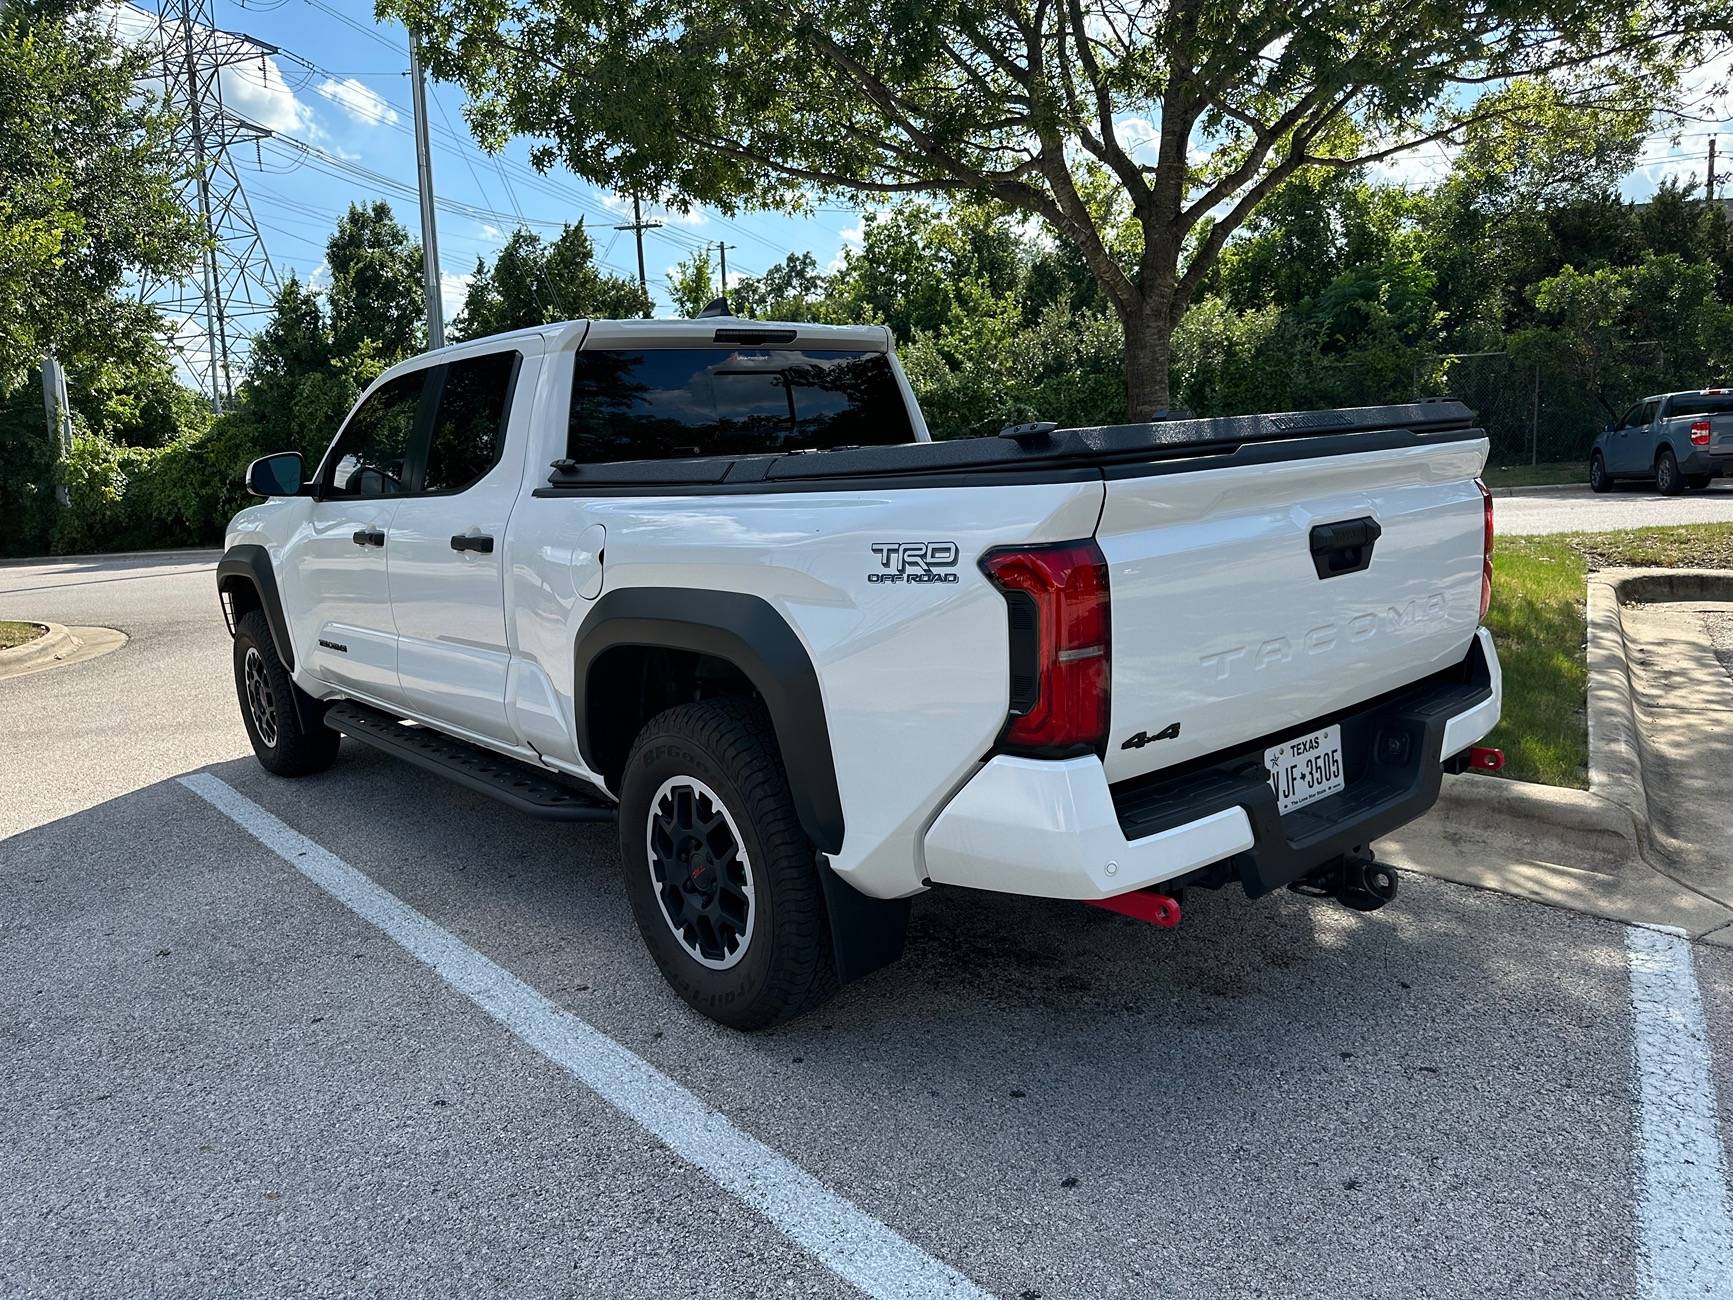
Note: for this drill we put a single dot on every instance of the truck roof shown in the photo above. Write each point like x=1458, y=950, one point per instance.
x=705, y=331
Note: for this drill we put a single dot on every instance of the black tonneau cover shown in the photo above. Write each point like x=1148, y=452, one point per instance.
x=1063, y=453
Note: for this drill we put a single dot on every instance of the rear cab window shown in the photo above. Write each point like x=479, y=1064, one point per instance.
x=669, y=403
x=468, y=431
x=1699, y=404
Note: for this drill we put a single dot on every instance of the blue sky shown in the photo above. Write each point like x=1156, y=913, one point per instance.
x=337, y=96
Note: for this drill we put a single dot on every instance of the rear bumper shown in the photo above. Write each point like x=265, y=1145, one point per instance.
x=1058, y=830
x=1708, y=462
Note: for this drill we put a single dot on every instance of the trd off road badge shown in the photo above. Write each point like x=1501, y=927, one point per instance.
x=914, y=562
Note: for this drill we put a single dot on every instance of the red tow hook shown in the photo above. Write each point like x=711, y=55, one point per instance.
x=1143, y=905
x=1483, y=759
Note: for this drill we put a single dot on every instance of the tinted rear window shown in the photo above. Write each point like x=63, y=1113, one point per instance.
x=1692, y=405
x=667, y=403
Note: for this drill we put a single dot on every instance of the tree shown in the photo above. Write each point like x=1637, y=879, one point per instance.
x=377, y=297
x=690, y=285
x=87, y=201
x=793, y=289
x=1143, y=135
x=87, y=182
x=532, y=283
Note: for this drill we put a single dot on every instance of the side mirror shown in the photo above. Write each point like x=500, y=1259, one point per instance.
x=280, y=475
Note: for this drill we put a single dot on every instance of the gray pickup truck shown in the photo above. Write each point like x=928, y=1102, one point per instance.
x=1680, y=440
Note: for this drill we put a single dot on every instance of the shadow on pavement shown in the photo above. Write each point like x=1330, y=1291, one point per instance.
x=1280, y=1097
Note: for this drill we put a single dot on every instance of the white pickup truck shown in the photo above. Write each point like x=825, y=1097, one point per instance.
x=713, y=578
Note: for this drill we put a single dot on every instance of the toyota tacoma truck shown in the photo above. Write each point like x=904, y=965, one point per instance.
x=711, y=579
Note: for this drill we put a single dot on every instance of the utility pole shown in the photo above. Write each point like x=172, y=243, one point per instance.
x=429, y=225
x=59, y=413
x=722, y=251
x=637, y=225
x=1710, y=189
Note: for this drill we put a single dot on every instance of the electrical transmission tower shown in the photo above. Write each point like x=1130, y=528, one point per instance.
x=209, y=318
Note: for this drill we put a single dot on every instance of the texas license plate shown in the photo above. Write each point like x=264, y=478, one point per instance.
x=1306, y=768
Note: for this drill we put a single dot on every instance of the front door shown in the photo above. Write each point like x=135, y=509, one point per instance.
x=346, y=630
x=448, y=544
x=1627, y=448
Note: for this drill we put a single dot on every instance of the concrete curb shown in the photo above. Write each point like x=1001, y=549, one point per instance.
x=1541, y=489
x=24, y=561
x=54, y=644
x=1615, y=808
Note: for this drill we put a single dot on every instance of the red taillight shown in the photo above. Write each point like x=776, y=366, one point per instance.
x=1700, y=433
x=1486, y=551
x=1057, y=612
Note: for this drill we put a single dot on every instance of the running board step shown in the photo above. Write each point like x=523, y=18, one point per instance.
x=528, y=789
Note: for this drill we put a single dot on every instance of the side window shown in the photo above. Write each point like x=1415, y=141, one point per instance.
x=1633, y=417
x=368, y=460
x=469, y=428
x=1647, y=417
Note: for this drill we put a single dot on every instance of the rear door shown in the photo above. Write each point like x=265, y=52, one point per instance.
x=343, y=613
x=1250, y=601
x=447, y=552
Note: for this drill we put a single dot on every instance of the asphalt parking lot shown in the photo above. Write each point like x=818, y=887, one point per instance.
x=1628, y=505
x=368, y=1034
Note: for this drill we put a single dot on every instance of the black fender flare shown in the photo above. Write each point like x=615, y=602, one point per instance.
x=249, y=563
x=747, y=632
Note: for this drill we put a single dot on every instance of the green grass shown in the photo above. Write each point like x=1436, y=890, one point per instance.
x=1507, y=476
x=1538, y=615
x=12, y=634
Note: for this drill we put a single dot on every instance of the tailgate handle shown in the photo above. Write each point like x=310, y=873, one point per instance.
x=1344, y=547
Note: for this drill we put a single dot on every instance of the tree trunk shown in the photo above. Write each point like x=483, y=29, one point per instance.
x=1148, y=354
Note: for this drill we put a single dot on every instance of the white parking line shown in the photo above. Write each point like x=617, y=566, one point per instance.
x=857, y=1248
x=1685, y=1245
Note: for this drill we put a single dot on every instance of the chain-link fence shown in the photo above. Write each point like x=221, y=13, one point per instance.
x=1547, y=410
x=1533, y=410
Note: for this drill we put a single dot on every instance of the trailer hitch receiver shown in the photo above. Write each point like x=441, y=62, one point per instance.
x=1356, y=880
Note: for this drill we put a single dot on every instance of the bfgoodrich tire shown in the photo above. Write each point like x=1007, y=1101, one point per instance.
x=268, y=705
x=722, y=880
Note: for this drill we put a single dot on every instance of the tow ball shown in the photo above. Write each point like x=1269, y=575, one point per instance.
x=1355, y=880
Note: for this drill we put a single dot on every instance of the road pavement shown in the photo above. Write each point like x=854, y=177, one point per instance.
x=366, y=1034
x=1629, y=505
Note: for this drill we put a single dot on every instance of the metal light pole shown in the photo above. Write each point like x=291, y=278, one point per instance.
x=429, y=229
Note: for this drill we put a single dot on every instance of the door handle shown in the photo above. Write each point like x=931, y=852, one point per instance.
x=369, y=537
x=464, y=542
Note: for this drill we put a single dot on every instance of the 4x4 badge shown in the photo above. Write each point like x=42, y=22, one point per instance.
x=1142, y=738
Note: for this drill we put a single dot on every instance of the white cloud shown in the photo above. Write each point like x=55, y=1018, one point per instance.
x=255, y=90
x=622, y=203
x=1139, y=138
x=489, y=230
x=319, y=277
x=361, y=102
x=453, y=288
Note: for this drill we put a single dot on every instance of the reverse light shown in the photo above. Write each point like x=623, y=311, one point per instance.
x=1700, y=433
x=1057, y=613
x=1486, y=550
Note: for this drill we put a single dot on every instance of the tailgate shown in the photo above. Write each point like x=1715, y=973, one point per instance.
x=1223, y=630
